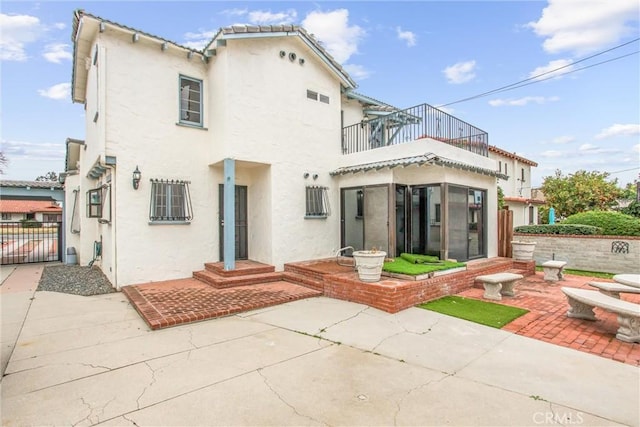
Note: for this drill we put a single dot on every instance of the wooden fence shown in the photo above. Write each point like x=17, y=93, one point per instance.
x=505, y=232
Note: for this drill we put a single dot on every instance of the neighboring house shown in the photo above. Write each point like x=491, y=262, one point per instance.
x=257, y=147
x=37, y=200
x=45, y=211
x=517, y=185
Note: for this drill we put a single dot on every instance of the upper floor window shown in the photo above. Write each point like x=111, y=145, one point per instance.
x=170, y=201
x=522, y=175
x=190, y=101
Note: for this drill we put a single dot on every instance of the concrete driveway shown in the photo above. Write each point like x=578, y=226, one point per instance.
x=92, y=360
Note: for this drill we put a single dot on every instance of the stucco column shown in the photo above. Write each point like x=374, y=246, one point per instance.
x=229, y=214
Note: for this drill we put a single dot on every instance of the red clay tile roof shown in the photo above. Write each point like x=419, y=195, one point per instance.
x=524, y=200
x=28, y=206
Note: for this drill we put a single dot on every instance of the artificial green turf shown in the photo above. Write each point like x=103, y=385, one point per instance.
x=420, y=259
x=598, y=274
x=402, y=266
x=483, y=312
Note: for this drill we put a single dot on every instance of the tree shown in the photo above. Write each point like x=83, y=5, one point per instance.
x=500, y=197
x=4, y=162
x=49, y=176
x=579, y=192
x=630, y=192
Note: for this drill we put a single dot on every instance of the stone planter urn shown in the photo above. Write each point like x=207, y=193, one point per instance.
x=523, y=251
x=369, y=264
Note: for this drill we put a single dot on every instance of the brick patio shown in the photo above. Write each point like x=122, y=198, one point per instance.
x=214, y=293
x=547, y=318
x=174, y=302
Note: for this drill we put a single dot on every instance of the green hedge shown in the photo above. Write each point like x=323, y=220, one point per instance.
x=563, y=228
x=30, y=223
x=611, y=223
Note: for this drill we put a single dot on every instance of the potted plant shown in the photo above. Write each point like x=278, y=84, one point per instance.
x=523, y=251
x=369, y=264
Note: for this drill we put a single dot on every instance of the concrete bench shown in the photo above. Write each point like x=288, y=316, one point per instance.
x=553, y=270
x=496, y=285
x=582, y=302
x=614, y=289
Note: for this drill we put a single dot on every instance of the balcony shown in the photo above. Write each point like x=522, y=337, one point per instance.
x=423, y=121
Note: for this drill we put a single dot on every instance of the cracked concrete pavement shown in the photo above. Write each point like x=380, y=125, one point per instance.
x=92, y=361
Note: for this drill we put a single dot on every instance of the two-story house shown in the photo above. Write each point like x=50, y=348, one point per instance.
x=257, y=147
x=516, y=185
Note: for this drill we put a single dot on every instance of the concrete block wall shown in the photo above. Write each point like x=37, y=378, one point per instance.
x=590, y=253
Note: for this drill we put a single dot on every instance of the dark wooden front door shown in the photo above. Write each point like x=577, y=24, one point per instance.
x=242, y=251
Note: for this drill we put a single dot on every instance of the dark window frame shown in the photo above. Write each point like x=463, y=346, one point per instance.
x=170, y=202
x=317, y=202
x=189, y=105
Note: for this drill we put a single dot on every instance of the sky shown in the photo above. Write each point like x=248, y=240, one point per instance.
x=498, y=57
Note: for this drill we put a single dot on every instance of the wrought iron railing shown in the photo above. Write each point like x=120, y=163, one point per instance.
x=30, y=241
x=422, y=121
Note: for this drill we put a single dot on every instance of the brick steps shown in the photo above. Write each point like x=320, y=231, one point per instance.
x=221, y=282
x=243, y=268
x=303, y=280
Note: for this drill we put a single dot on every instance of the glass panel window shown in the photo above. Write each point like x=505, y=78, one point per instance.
x=190, y=101
x=317, y=202
x=170, y=201
x=94, y=203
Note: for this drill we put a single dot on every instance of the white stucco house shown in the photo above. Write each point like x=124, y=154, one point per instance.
x=257, y=147
x=516, y=185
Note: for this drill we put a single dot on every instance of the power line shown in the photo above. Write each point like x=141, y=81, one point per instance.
x=565, y=73
x=537, y=79
x=625, y=170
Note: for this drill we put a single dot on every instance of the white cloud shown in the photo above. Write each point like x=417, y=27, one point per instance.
x=461, y=72
x=586, y=149
x=358, y=72
x=261, y=17
x=17, y=31
x=59, y=91
x=33, y=150
x=584, y=26
x=57, y=52
x=546, y=71
x=59, y=26
x=447, y=110
x=198, y=40
x=636, y=148
x=407, y=36
x=619, y=130
x=563, y=140
x=235, y=12
x=335, y=34
x=522, y=101
x=552, y=153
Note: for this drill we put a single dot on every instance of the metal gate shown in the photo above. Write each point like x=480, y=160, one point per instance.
x=31, y=241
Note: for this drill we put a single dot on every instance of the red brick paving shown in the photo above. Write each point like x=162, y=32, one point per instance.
x=547, y=318
x=174, y=302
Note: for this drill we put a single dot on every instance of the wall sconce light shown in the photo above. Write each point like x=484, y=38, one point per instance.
x=136, y=178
